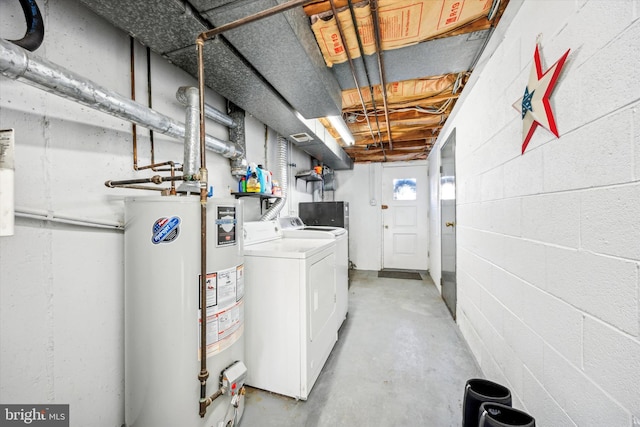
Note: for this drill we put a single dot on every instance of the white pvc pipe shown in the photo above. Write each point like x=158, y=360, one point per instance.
x=44, y=215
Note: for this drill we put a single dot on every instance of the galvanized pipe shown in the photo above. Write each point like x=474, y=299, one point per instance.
x=352, y=67
x=19, y=64
x=373, y=4
x=209, y=111
x=366, y=70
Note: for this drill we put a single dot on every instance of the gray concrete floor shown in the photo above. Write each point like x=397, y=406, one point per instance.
x=399, y=361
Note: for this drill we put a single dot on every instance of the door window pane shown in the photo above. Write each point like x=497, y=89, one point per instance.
x=404, y=189
x=448, y=188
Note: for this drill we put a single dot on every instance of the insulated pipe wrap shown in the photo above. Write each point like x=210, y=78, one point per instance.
x=210, y=112
x=238, y=136
x=18, y=64
x=192, y=132
x=275, y=209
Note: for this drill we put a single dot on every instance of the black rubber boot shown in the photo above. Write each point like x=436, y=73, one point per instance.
x=496, y=415
x=478, y=391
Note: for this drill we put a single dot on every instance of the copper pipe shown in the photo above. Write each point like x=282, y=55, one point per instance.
x=366, y=71
x=150, y=105
x=172, y=191
x=206, y=35
x=202, y=37
x=204, y=373
x=134, y=127
x=373, y=4
x=353, y=68
x=155, y=165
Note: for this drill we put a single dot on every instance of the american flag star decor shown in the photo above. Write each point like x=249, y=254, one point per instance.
x=534, y=106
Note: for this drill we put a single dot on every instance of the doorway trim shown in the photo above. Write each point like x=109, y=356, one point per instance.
x=392, y=212
x=448, y=223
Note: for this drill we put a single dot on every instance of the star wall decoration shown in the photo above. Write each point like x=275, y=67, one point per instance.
x=534, y=106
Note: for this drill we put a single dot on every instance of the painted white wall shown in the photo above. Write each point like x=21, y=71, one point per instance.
x=61, y=286
x=549, y=241
x=361, y=187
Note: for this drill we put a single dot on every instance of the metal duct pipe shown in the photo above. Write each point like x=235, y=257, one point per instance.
x=192, y=132
x=274, y=210
x=238, y=136
x=19, y=64
x=210, y=112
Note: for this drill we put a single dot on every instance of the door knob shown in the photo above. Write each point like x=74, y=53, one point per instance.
x=386, y=226
x=449, y=224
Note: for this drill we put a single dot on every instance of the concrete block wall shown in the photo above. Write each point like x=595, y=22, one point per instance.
x=549, y=241
x=62, y=286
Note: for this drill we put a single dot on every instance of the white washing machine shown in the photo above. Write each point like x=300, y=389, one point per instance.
x=292, y=226
x=290, y=309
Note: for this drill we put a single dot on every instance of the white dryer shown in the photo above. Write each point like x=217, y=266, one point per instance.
x=290, y=309
x=292, y=226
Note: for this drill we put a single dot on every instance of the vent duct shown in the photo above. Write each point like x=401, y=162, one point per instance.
x=243, y=65
x=283, y=154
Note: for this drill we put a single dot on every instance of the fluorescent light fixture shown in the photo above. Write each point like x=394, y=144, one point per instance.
x=341, y=127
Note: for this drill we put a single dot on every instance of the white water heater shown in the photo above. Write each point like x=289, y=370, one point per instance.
x=162, y=309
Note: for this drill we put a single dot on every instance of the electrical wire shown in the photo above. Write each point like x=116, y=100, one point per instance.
x=426, y=110
x=453, y=87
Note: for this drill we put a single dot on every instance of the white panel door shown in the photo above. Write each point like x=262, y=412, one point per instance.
x=405, y=196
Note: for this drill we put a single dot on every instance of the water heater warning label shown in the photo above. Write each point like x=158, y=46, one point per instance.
x=165, y=230
x=226, y=225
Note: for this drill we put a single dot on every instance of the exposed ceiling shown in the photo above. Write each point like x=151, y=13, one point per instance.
x=274, y=69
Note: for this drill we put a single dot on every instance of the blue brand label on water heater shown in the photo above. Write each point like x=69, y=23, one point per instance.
x=165, y=230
